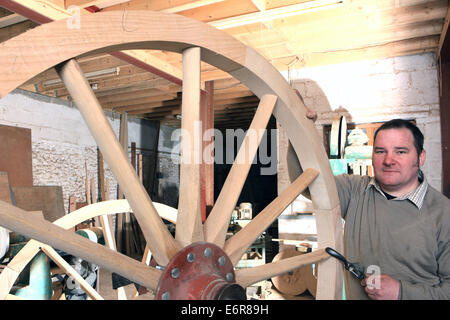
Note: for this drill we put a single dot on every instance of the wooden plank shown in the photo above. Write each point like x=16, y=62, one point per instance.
x=158, y=112
x=145, y=60
x=48, y=199
x=72, y=203
x=141, y=168
x=101, y=176
x=221, y=10
x=5, y=188
x=123, y=139
x=128, y=78
x=207, y=165
x=87, y=184
x=190, y=5
x=124, y=106
x=189, y=227
x=160, y=5
x=218, y=221
x=105, y=220
x=236, y=246
x=15, y=147
x=123, y=218
x=160, y=241
x=93, y=190
x=136, y=92
x=95, y=221
x=11, y=19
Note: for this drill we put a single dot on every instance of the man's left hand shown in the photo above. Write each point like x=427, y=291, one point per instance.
x=382, y=288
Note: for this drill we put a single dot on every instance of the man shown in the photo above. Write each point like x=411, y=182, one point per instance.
x=396, y=225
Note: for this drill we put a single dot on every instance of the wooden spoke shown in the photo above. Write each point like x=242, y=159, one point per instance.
x=44, y=231
x=52, y=254
x=189, y=227
x=248, y=276
x=159, y=239
x=236, y=246
x=105, y=208
x=219, y=219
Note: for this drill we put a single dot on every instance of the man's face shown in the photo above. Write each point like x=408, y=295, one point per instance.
x=395, y=161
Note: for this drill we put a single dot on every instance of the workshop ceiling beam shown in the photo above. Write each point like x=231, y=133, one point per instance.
x=45, y=11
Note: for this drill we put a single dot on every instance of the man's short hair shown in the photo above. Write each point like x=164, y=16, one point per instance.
x=401, y=123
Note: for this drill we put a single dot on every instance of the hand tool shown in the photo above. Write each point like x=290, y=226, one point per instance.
x=355, y=269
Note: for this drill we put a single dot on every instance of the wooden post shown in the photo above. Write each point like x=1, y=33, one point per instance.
x=121, y=230
x=88, y=188
x=141, y=172
x=101, y=175
x=123, y=138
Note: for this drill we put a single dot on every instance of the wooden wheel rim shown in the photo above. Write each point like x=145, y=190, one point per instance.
x=25, y=57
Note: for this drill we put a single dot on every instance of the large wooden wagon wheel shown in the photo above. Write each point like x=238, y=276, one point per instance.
x=197, y=249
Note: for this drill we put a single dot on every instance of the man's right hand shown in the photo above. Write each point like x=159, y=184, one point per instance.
x=387, y=288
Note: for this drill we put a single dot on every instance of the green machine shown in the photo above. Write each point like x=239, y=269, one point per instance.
x=35, y=280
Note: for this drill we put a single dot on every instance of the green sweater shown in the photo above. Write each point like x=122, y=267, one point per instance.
x=408, y=242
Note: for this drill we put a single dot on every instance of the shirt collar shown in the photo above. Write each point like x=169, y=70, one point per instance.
x=416, y=196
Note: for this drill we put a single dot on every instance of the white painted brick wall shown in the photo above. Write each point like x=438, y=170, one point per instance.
x=61, y=142
x=379, y=90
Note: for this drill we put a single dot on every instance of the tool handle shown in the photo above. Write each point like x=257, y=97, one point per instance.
x=337, y=255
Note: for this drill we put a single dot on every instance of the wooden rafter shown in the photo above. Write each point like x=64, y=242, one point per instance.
x=44, y=12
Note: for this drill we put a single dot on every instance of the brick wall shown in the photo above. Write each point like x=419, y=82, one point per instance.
x=62, y=143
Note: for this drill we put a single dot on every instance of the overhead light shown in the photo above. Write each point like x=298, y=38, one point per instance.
x=89, y=75
x=277, y=13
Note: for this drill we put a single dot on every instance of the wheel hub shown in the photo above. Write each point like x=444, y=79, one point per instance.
x=200, y=271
